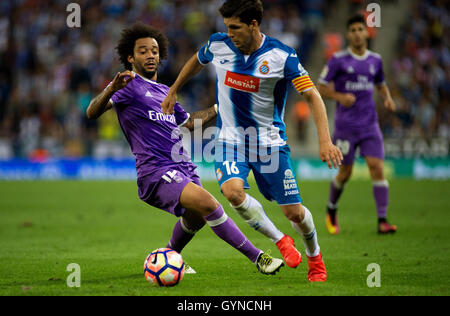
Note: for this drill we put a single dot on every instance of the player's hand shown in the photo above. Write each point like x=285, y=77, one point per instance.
x=169, y=102
x=347, y=99
x=121, y=80
x=331, y=154
x=390, y=104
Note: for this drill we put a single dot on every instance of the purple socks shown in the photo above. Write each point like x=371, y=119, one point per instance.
x=381, y=195
x=222, y=226
x=226, y=229
x=335, y=193
x=181, y=236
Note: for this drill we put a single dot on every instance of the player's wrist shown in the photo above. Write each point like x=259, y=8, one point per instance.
x=325, y=142
x=341, y=97
x=173, y=90
x=110, y=90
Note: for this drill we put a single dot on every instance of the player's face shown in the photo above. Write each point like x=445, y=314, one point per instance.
x=357, y=35
x=145, y=60
x=240, y=33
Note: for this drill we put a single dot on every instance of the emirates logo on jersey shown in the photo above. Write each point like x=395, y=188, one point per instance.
x=242, y=82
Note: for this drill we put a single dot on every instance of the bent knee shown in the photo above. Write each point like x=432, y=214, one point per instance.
x=234, y=195
x=376, y=171
x=294, y=213
x=208, y=204
x=344, y=174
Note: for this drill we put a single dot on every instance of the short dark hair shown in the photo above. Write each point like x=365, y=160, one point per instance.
x=356, y=19
x=245, y=10
x=130, y=35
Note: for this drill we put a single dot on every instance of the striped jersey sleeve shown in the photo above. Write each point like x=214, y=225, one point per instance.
x=295, y=72
x=205, y=54
x=303, y=83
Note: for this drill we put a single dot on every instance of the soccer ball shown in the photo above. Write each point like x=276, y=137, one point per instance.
x=164, y=267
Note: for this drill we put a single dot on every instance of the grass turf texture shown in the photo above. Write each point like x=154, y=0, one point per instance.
x=108, y=231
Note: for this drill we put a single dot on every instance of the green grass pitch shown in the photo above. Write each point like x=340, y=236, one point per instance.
x=108, y=232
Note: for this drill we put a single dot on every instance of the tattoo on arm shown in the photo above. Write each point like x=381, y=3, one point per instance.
x=99, y=105
x=205, y=116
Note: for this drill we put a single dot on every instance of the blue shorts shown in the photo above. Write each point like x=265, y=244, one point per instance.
x=273, y=173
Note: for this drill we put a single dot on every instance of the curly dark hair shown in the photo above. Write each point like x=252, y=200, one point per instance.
x=130, y=35
x=245, y=10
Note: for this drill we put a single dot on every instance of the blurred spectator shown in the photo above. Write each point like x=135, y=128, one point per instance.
x=333, y=42
x=49, y=72
x=420, y=74
x=301, y=114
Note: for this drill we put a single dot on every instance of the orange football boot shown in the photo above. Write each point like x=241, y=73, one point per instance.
x=386, y=228
x=331, y=222
x=290, y=254
x=317, y=271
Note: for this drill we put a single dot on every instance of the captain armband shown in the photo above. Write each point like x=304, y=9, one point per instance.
x=303, y=83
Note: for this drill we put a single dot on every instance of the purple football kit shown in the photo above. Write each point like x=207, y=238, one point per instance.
x=163, y=167
x=356, y=126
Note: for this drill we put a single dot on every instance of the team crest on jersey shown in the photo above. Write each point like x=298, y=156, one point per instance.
x=264, y=69
x=372, y=69
x=219, y=174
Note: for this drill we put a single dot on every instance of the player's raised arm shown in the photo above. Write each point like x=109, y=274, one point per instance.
x=189, y=70
x=100, y=104
x=328, y=152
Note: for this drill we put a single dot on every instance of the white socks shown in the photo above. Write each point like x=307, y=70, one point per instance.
x=307, y=231
x=253, y=214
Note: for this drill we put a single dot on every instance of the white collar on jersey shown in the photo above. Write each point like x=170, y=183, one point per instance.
x=148, y=80
x=363, y=57
x=262, y=43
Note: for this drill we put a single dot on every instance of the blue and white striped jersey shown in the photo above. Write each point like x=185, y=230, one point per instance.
x=252, y=90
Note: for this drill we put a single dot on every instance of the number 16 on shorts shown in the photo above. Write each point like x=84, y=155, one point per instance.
x=231, y=167
x=228, y=167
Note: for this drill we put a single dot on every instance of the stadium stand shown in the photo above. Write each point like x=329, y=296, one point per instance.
x=49, y=71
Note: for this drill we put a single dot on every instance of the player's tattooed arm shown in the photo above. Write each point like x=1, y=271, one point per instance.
x=204, y=116
x=100, y=104
x=189, y=70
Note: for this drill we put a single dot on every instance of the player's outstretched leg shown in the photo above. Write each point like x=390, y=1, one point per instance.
x=183, y=232
x=302, y=221
x=196, y=199
x=254, y=215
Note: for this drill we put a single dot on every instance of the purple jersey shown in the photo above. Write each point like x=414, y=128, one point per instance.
x=154, y=137
x=357, y=75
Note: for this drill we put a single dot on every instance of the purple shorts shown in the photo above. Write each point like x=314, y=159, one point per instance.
x=162, y=189
x=369, y=142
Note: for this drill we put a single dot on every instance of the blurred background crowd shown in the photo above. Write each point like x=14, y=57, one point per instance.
x=49, y=72
x=420, y=74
